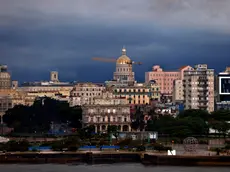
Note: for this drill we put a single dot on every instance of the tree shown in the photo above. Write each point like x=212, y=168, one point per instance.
x=38, y=117
x=138, y=122
x=195, y=113
x=162, y=124
x=221, y=126
x=221, y=115
x=182, y=126
x=13, y=146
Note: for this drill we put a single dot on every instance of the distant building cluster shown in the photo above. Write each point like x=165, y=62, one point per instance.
x=112, y=102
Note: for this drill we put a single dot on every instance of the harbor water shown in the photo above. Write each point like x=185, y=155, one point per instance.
x=107, y=168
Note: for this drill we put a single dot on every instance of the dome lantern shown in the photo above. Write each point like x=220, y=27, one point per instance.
x=123, y=59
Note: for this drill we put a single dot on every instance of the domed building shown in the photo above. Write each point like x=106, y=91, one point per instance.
x=124, y=72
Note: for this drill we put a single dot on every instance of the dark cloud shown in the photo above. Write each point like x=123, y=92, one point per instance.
x=35, y=39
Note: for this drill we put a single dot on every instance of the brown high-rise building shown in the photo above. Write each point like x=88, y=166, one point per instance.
x=5, y=78
x=198, y=84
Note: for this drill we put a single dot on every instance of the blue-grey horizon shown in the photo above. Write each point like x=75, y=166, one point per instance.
x=37, y=37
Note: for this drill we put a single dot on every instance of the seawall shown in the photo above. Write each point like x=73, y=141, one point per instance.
x=186, y=160
x=112, y=157
x=70, y=157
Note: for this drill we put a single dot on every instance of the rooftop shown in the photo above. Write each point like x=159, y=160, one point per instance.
x=45, y=84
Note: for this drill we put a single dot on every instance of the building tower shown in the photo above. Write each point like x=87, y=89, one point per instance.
x=124, y=71
x=198, y=84
x=54, y=76
x=5, y=78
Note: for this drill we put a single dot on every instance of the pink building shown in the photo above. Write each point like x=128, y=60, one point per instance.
x=165, y=78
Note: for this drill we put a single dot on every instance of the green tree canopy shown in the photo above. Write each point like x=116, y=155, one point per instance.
x=39, y=116
x=195, y=113
x=221, y=115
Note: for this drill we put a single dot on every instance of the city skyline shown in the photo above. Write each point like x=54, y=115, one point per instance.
x=39, y=37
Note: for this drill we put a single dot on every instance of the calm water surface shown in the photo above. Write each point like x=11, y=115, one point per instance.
x=107, y=168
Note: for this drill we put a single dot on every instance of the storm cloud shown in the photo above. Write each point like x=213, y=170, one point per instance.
x=39, y=36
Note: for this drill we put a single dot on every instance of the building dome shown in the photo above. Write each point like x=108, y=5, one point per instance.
x=124, y=59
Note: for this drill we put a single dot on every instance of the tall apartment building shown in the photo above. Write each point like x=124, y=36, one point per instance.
x=165, y=79
x=223, y=89
x=83, y=93
x=5, y=78
x=178, y=88
x=198, y=86
x=178, y=91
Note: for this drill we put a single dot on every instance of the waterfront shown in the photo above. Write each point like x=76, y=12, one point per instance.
x=106, y=168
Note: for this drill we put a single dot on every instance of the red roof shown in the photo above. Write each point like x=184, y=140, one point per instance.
x=182, y=67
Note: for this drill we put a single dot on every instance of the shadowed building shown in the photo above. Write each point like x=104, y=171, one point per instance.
x=5, y=104
x=223, y=89
x=53, y=89
x=5, y=78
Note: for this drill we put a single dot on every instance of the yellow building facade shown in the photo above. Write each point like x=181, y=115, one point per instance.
x=138, y=93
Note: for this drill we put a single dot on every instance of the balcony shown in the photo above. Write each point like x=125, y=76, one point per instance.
x=202, y=105
x=202, y=95
x=203, y=79
x=106, y=122
x=203, y=90
x=203, y=84
x=203, y=101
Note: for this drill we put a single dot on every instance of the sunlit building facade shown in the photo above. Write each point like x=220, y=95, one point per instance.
x=107, y=110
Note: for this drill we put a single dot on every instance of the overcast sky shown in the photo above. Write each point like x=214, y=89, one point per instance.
x=37, y=36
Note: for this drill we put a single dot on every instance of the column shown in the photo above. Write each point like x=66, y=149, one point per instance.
x=130, y=129
x=95, y=126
